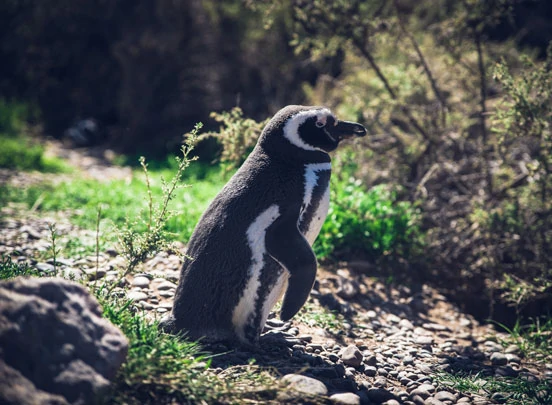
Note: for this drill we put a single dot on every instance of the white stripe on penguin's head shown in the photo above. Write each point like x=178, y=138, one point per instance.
x=291, y=128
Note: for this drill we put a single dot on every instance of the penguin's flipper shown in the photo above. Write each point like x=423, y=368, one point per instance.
x=287, y=245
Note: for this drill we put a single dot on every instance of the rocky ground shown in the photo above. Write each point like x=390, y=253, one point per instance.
x=358, y=339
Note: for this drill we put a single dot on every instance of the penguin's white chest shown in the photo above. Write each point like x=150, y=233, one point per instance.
x=316, y=199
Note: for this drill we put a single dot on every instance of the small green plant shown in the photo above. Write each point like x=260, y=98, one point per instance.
x=9, y=269
x=138, y=245
x=54, y=249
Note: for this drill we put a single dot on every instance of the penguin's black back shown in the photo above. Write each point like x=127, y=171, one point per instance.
x=218, y=254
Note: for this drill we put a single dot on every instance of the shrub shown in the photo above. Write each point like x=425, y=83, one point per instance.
x=371, y=224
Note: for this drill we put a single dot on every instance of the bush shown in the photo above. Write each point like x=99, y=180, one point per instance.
x=372, y=224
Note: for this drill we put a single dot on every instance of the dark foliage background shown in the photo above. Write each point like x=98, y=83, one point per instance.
x=147, y=70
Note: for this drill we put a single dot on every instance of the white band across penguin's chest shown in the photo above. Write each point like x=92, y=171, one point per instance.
x=312, y=177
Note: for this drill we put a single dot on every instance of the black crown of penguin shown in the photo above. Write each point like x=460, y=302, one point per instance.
x=252, y=246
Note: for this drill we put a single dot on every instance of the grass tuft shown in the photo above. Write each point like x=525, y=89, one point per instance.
x=9, y=269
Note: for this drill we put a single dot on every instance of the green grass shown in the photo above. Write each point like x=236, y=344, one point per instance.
x=17, y=150
x=532, y=338
x=508, y=390
x=22, y=153
x=158, y=365
x=164, y=368
x=120, y=200
x=9, y=269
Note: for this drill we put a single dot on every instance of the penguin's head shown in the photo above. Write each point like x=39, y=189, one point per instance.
x=311, y=128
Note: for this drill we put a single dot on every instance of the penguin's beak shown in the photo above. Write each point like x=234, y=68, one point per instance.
x=345, y=129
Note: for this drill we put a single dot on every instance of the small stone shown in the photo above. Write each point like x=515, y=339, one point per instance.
x=391, y=402
x=370, y=371
x=406, y=324
x=45, y=267
x=408, y=360
x=513, y=358
x=141, y=281
x=380, y=382
x=512, y=349
x=379, y=395
x=351, y=356
x=72, y=273
x=147, y=306
x=445, y=396
x=506, y=371
x=499, y=398
x=432, y=401
x=137, y=296
x=166, y=294
x=166, y=285
x=435, y=327
x=345, y=398
x=423, y=390
x=305, y=385
x=370, y=359
x=423, y=340
x=499, y=359
x=95, y=274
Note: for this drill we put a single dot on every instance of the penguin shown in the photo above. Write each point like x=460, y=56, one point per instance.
x=253, y=243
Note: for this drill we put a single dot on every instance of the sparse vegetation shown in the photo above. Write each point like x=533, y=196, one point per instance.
x=515, y=391
x=10, y=269
x=18, y=150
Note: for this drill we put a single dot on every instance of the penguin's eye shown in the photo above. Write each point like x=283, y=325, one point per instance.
x=319, y=124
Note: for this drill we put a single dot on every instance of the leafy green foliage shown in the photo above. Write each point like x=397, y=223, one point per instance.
x=369, y=223
x=12, y=117
x=522, y=220
x=237, y=135
x=10, y=269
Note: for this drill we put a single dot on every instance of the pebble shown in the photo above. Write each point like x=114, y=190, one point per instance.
x=346, y=398
x=166, y=285
x=379, y=395
x=423, y=340
x=351, y=356
x=137, y=296
x=305, y=385
x=45, y=267
x=499, y=359
x=94, y=274
x=445, y=396
x=370, y=371
x=141, y=281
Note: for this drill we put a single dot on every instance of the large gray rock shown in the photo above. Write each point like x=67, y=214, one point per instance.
x=52, y=335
